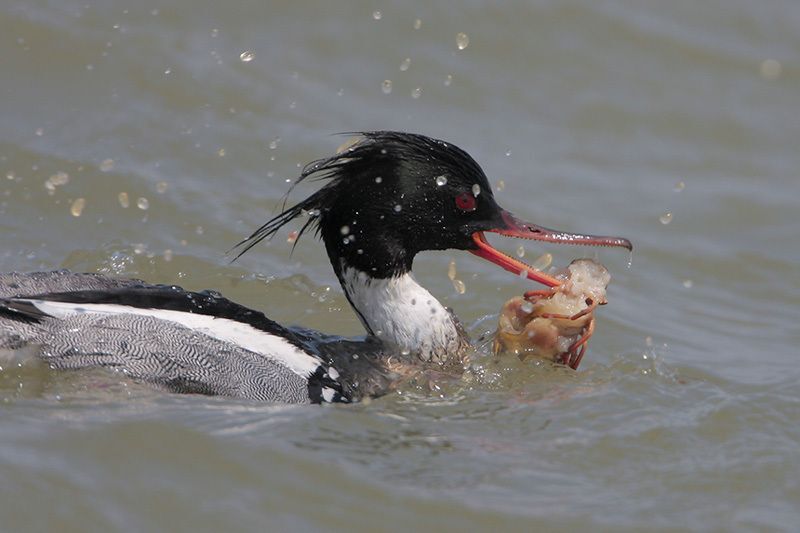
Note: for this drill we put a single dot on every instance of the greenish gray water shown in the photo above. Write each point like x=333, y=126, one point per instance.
x=686, y=411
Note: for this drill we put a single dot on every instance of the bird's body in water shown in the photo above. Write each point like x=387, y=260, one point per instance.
x=387, y=197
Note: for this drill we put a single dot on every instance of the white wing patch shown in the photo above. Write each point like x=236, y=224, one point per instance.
x=223, y=329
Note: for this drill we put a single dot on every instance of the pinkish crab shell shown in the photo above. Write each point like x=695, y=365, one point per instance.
x=555, y=324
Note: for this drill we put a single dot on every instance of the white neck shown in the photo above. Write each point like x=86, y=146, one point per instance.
x=401, y=311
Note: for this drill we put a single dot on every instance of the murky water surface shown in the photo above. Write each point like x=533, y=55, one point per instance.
x=144, y=139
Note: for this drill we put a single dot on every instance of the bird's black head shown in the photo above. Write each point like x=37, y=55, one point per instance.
x=391, y=195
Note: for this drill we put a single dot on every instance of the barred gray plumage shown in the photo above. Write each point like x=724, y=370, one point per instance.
x=156, y=351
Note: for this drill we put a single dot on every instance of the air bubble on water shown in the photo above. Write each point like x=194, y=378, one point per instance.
x=451, y=270
x=345, y=230
x=462, y=40
x=476, y=189
x=377, y=15
x=679, y=186
x=666, y=218
x=688, y=283
x=521, y=251
x=168, y=71
x=405, y=64
x=543, y=261
x=398, y=208
x=77, y=207
x=523, y=274
x=441, y=180
x=378, y=179
x=247, y=56
x=386, y=86
x=143, y=203
x=221, y=152
x=123, y=200
x=417, y=24
x=416, y=93
x=161, y=187
x=39, y=132
x=273, y=144
x=508, y=153
x=199, y=230
x=106, y=165
x=448, y=80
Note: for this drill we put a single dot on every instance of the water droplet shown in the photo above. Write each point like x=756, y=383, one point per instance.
x=679, y=186
x=314, y=213
x=526, y=308
x=221, y=152
x=386, y=86
x=523, y=274
x=451, y=270
x=448, y=80
x=771, y=69
x=273, y=144
x=292, y=237
x=666, y=218
x=405, y=351
x=416, y=92
x=77, y=207
x=476, y=189
x=247, y=56
x=417, y=24
x=462, y=40
x=345, y=230
x=542, y=262
x=143, y=204
x=168, y=71
x=378, y=179
x=521, y=251
x=199, y=230
x=123, y=200
x=508, y=153
x=405, y=64
x=39, y=132
x=106, y=165
x=214, y=32
x=161, y=187
x=377, y=15
x=459, y=286
x=441, y=180
x=398, y=208
x=688, y=283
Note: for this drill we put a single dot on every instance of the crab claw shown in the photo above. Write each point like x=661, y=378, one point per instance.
x=572, y=358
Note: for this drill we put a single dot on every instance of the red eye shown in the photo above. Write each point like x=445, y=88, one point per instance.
x=465, y=201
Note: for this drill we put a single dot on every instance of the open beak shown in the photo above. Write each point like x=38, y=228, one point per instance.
x=513, y=227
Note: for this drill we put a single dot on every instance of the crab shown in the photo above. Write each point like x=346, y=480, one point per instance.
x=555, y=323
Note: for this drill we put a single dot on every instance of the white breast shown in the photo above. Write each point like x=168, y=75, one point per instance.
x=401, y=311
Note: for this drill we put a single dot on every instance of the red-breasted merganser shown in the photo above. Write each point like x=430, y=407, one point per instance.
x=387, y=197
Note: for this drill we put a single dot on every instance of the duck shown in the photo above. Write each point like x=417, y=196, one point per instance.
x=385, y=198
